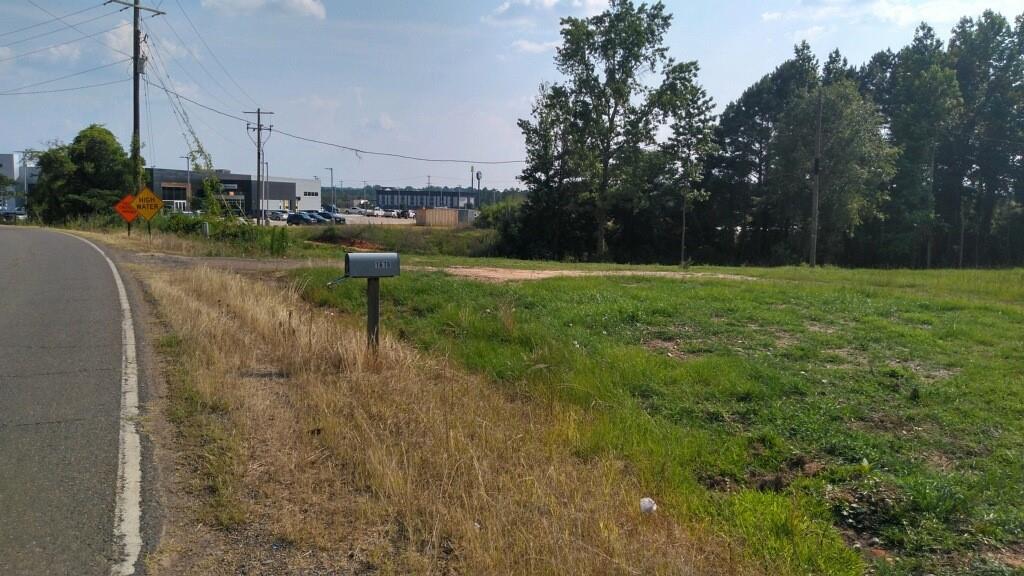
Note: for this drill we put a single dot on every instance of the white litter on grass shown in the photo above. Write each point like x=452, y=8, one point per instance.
x=647, y=505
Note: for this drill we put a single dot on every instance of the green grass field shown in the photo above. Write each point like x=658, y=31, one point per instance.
x=829, y=420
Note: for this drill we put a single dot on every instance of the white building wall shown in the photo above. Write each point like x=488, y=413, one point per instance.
x=307, y=194
x=275, y=205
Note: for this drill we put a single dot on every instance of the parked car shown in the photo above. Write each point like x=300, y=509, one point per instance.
x=391, y=213
x=299, y=219
x=377, y=211
x=277, y=215
x=318, y=218
x=335, y=217
x=407, y=214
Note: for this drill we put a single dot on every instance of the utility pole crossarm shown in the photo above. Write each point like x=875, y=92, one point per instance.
x=136, y=6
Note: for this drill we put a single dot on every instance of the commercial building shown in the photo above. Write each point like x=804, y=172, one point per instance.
x=7, y=197
x=7, y=166
x=178, y=188
x=292, y=194
x=401, y=198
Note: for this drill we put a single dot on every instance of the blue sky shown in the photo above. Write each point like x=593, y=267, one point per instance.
x=439, y=79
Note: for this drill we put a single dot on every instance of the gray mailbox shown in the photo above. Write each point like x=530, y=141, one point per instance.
x=371, y=264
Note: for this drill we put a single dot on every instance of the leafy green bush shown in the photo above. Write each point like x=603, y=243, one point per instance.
x=272, y=241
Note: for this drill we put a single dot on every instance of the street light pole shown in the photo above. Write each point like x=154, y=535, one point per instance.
x=188, y=177
x=334, y=199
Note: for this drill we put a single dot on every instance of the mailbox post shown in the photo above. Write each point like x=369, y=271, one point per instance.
x=373, y=266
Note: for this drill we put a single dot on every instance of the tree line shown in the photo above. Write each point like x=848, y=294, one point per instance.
x=913, y=159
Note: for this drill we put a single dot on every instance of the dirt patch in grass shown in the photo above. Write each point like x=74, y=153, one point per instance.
x=926, y=373
x=517, y=275
x=940, y=462
x=848, y=358
x=821, y=328
x=1011, y=557
x=354, y=243
x=668, y=348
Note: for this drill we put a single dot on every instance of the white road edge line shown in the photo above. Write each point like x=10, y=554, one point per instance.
x=128, y=502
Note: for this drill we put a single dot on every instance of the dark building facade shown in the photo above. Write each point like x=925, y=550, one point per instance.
x=400, y=198
x=177, y=188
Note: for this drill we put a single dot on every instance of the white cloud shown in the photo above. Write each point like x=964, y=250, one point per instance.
x=68, y=53
x=119, y=38
x=903, y=13
x=170, y=50
x=186, y=89
x=313, y=8
x=530, y=47
x=523, y=13
x=386, y=122
x=810, y=34
x=591, y=7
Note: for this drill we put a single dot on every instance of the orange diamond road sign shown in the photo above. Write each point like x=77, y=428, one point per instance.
x=148, y=204
x=126, y=209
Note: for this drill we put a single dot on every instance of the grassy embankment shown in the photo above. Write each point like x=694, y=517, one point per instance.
x=803, y=415
x=312, y=456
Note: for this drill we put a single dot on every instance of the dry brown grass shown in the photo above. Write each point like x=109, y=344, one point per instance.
x=398, y=464
x=139, y=241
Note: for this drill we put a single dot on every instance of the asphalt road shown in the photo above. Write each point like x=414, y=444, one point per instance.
x=60, y=364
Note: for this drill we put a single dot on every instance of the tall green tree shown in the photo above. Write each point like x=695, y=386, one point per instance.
x=837, y=69
x=986, y=147
x=689, y=113
x=594, y=162
x=85, y=177
x=856, y=163
x=557, y=218
x=924, y=106
x=740, y=188
x=605, y=59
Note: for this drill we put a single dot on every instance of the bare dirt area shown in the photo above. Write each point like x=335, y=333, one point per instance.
x=488, y=274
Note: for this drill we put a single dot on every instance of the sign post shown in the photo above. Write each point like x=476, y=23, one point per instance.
x=126, y=209
x=148, y=205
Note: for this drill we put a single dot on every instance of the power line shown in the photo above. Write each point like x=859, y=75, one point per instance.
x=149, y=121
x=51, y=47
x=212, y=53
x=198, y=61
x=76, y=29
x=150, y=33
x=73, y=89
x=201, y=105
x=177, y=108
x=11, y=92
x=52, y=32
x=51, y=20
x=349, y=148
x=394, y=155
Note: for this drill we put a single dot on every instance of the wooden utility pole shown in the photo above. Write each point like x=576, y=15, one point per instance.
x=259, y=128
x=138, y=68
x=682, y=241
x=817, y=186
